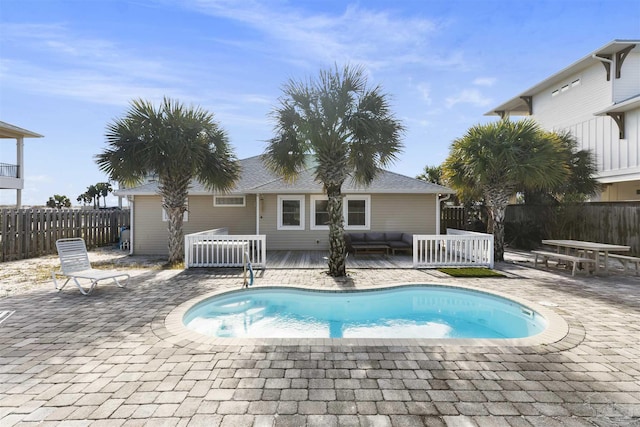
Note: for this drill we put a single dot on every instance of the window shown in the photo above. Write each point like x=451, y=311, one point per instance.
x=185, y=215
x=319, y=213
x=357, y=212
x=229, y=201
x=291, y=212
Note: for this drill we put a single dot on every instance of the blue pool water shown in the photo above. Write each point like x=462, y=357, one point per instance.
x=401, y=312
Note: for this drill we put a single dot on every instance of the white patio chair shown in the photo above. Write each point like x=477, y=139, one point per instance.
x=74, y=265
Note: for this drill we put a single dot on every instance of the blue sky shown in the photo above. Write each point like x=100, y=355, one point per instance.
x=67, y=68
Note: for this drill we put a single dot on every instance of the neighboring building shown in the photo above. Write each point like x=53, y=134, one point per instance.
x=12, y=174
x=598, y=99
x=292, y=216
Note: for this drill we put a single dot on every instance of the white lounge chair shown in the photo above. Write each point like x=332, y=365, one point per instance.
x=74, y=265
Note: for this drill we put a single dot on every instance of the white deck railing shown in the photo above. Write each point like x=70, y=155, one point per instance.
x=216, y=248
x=458, y=248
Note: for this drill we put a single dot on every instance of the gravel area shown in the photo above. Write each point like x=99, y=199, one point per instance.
x=18, y=277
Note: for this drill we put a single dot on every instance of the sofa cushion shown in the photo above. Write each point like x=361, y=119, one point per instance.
x=391, y=236
x=357, y=237
x=375, y=237
x=407, y=238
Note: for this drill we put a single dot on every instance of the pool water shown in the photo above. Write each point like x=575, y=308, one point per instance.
x=401, y=312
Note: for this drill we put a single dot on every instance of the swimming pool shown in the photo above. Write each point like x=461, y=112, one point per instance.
x=414, y=311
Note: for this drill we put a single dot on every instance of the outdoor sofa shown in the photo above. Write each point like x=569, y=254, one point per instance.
x=377, y=241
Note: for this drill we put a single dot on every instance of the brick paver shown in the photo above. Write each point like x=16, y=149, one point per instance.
x=107, y=359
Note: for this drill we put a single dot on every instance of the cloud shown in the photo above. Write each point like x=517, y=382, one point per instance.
x=424, y=89
x=376, y=39
x=468, y=96
x=484, y=81
x=73, y=66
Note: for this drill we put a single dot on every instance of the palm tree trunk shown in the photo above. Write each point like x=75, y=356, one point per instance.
x=497, y=201
x=337, y=247
x=174, y=198
x=176, y=236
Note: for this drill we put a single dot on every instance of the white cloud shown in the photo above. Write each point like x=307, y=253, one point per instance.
x=376, y=39
x=484, y=81
x=424, y=89
x=73, y=66
x=468, y=96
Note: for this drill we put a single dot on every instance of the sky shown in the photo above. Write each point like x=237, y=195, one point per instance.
x=69, y=68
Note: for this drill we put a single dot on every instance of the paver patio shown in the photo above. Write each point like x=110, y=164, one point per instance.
x=108, y=359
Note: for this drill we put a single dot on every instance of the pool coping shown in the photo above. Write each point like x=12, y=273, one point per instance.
x=557, y=327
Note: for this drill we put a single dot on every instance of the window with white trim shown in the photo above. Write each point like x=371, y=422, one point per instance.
x=229, y=201
x=319, y=213
x=291, y=212
x=357, y=212
x=185, y=215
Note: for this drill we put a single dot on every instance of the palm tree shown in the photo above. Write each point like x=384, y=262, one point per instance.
x=84, y=198
x=93, y=194
x=176, y=143
x=103, y=189
x=497, y=159
x=431, y=174
x=346, y=127
x=579, y=184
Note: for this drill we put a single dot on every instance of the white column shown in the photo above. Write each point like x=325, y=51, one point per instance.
x=20, y=163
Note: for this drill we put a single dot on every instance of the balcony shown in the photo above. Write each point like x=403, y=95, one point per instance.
x=9, y=177
x=8, y=170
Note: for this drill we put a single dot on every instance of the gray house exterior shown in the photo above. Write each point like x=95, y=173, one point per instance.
x=292, y=216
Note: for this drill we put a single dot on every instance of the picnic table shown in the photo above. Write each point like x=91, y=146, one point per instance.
x=597, y=249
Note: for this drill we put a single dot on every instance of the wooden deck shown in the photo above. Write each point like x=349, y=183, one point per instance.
x=318, y=259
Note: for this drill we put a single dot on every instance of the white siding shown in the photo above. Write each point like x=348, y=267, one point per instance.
x=574, y=108
x=576, y=104
x=628, y=85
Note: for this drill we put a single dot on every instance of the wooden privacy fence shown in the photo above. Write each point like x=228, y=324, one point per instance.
x=453, y=217
x=29, y=233
x=604, y=222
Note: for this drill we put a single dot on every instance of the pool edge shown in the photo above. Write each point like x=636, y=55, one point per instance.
x=557, y=326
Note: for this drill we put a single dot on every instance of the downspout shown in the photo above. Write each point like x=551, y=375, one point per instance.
x=611, y=72
x=131, y=233
x=257, y=214
x=438, y=202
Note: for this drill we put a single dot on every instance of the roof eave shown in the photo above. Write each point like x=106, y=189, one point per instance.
x=517, y=107
x=620, y=107
x=10, y=131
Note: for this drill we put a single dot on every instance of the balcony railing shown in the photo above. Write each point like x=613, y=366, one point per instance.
x=8, y=170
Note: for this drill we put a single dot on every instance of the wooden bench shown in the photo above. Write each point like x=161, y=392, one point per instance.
x=570, y=258
x=626, y=260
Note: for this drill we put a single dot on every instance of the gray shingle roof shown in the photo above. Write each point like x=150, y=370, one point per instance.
x=256, y=178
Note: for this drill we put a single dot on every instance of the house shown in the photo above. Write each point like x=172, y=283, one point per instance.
x=12, y=174
x=597, y=99
x=292, y=216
